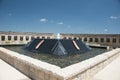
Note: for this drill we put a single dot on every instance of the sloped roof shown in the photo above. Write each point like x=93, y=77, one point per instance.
x=57, y=46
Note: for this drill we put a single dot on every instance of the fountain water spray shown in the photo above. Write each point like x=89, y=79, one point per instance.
x=58, y=36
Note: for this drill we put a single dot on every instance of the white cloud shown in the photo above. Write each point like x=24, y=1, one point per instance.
x=43, y=20
x=60, y=23
x=105, y=30
x=114, y=17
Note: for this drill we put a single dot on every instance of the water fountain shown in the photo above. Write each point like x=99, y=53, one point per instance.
x=57, y=46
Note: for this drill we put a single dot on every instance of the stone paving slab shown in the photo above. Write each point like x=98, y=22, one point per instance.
x=7, y=72
x=110, y=72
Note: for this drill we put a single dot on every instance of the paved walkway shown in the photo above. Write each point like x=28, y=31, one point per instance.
x=110, y=72
x=7, y=72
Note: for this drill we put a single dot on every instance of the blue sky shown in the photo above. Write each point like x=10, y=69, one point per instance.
x=60, y=16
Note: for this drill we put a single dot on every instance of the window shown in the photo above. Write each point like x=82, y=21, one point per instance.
x=90, y=39
x=3, y=38
x=114, y=40
x=102, y=39
x=32, y=38
x=9, y=37
x=80, y=38
x=43, y=37
x=38, y=37
x=64, y=38
x=96, y=39
x=21, y=38
x=70, y=38
x=48, y=37
x=108, y=40
x=15, y=38
x=27, y=38
x=75, y=38
x=85, y=39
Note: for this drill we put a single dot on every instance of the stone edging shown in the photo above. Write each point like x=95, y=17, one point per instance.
x=39, y=70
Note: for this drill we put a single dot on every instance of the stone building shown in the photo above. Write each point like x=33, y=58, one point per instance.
x=100, y=39
x=20, y=38
x=10, y=38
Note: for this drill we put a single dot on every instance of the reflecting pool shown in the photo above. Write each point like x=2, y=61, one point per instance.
x=61, y=61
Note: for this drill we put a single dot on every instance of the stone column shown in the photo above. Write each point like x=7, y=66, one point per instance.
x=29, y=38
x=40, y=37
x=72, y=37
x=82, y=39
x=12, y=38
x=94, y=40
x=18, y=38
x=0, y=38
x=87, y=39
x=6, y=38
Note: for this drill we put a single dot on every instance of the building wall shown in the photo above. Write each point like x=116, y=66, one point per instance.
x=112, y=40
x=10, y=38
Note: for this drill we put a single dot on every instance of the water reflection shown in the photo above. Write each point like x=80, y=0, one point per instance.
x=61, y=61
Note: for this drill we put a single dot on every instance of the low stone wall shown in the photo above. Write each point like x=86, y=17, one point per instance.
x=33, y=68
x=88, y=68
x=38, y=70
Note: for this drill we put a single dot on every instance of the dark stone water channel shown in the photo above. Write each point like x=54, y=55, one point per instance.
x=61, y=61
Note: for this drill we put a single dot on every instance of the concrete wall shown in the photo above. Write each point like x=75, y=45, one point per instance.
x=39, y=70
x=85, y=70
x=20, y=39
x=112, y=40
x=33, y=68
x=10, y=39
